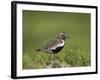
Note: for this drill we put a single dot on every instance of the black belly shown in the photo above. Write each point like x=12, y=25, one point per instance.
x=57, y=49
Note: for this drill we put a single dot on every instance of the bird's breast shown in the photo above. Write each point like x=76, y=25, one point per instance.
x=60, y=44
x=57, y=49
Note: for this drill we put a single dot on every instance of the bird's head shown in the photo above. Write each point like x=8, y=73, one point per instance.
x=62, y=35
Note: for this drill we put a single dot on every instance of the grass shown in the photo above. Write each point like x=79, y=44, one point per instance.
x=73, y=57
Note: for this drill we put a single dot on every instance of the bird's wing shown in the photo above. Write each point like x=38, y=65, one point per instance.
x=52, y=44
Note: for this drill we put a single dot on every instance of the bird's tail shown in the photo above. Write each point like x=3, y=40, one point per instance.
x=38, y=49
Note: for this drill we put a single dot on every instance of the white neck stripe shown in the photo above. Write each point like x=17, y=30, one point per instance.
x=59, y=45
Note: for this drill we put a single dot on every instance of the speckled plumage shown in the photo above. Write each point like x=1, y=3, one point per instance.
x=54, y=46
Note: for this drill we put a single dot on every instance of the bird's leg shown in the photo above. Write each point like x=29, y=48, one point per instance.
x=54, y=57
x=50, y=58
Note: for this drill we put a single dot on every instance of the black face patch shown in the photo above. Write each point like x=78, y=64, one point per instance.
x=57, y=49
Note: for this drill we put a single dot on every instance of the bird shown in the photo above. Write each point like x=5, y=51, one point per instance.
x=54, y=46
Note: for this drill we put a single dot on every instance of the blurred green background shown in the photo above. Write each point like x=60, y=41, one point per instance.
x=41, y=26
